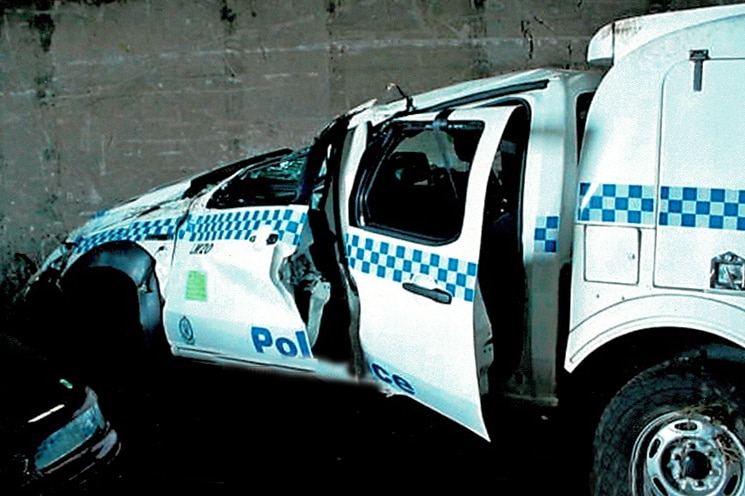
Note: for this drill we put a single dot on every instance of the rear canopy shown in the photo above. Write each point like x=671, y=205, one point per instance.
x=615, y=40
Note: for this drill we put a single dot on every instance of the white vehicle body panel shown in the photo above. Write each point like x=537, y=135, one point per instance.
x=657, y=202
x=712, y=314
x=665, y=161
x=153, y=229
x=428, y=345
x=217, y=301
x=699, y=206
x=614, y=41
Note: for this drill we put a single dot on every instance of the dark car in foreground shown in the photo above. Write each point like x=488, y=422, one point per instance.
x=52, y=432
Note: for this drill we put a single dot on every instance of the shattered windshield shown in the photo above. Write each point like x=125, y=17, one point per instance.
x=276, y=182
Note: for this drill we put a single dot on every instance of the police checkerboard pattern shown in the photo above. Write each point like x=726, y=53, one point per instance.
x=164, y=228
x=711, y=208
x=399, y=263
x=546, y=234
x=287, y=222
x=616, y=203
x=679, y=206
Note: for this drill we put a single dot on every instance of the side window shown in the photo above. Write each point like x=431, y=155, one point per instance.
x=582, y=108
x=414, y=180
x=278, y=182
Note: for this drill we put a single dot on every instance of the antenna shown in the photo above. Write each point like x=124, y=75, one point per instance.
x=409, y=99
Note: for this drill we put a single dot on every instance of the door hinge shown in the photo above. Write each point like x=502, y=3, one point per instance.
x=698, y=57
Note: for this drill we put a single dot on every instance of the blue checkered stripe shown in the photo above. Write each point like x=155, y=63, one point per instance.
x=399, y=263
x=287, y=222
x=136, y=231
x=616, y=203
x=546, y=235
x=711, y=208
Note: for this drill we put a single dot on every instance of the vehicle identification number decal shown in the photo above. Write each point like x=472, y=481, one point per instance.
x=201, y=248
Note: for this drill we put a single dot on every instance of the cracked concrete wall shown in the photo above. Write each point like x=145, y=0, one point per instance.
x=101, y=100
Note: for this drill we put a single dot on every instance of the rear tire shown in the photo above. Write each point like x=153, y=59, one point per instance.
x=676, y=429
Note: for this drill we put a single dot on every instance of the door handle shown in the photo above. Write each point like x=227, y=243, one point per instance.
x=438, y=295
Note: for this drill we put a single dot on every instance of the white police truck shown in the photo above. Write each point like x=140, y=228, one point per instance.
x=571, y=238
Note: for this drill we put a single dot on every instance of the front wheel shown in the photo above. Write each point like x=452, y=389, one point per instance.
x=674, y=430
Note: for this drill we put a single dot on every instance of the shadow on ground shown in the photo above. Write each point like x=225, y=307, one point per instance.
x=211, y=430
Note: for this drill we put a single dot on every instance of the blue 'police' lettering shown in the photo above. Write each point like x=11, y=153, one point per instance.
x=403, y=384
x=262, y=340
x=381, y=373
x=394, y=379
x=302, y=342
x=286, y=347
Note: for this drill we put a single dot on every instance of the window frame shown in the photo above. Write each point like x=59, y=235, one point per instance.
x=381, y=146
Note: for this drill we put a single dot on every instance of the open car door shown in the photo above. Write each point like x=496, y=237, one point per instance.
x=413, y=240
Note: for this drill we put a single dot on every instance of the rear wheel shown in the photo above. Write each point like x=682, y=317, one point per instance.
x=674, y=430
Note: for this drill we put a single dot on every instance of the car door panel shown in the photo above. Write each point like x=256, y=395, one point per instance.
x=417, y=291
x=227, y=297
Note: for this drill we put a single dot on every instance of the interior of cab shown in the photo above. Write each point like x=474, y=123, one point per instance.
x=501, y=274
x=418, y=188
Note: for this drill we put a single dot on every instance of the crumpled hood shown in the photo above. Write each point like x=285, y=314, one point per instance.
x=140, y=206
x=168, y=202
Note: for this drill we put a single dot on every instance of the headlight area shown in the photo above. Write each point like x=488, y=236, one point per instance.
x=86, y=439
x=58, y=258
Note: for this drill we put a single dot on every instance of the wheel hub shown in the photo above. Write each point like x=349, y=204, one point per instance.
x=696, y=466
x=687, y=455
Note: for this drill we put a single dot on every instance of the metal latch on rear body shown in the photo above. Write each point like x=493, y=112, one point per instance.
x=698, y=57
x=727, y=272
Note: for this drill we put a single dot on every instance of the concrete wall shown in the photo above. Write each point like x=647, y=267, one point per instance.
x=102, y=100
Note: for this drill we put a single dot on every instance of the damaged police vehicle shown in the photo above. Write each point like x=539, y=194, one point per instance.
x=571, y=238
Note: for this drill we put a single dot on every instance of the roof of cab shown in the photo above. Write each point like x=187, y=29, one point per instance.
x=615, y=40
x=483, y=87
x=474, y=93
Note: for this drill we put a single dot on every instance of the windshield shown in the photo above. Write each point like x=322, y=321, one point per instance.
x=278, y=182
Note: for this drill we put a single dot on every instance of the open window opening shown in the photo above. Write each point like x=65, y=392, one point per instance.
x=414, y=181
x=501, y=273
x=313, y=272
x=581, y=111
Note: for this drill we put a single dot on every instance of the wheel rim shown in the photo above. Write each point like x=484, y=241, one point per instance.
x=691, y=454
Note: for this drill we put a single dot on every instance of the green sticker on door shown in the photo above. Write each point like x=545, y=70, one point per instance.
x=196, y=286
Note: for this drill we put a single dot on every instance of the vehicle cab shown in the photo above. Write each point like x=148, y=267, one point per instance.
x=416, y=244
